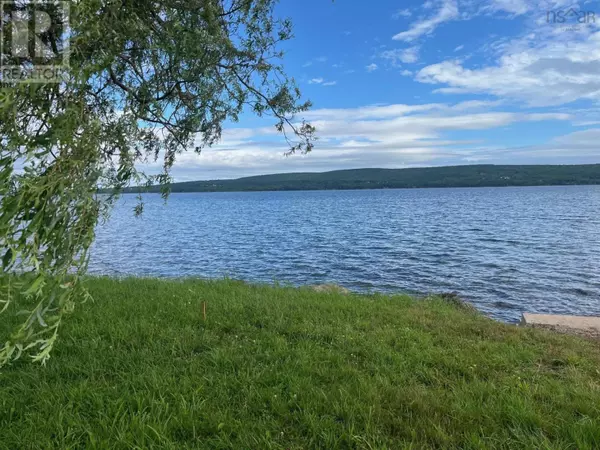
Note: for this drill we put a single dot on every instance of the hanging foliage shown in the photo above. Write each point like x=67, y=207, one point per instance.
x=145, y=80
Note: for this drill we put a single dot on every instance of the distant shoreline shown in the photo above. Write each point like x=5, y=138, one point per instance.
x=414, y=178
x=361, y=189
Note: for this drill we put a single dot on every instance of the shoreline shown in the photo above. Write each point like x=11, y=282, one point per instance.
x=363, y=189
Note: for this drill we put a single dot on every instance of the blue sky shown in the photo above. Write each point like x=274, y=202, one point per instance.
x=443, y=82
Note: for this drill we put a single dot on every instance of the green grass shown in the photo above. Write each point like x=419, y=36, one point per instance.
x=288, y=368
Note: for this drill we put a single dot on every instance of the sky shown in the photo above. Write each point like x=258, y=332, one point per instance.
x=399, y=84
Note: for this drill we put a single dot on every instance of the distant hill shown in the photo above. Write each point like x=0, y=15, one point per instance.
x=426, y=177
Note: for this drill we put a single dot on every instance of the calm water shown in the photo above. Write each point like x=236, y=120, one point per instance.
x=507, y=250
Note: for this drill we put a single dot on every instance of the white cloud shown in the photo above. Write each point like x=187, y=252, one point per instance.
x=448, y=11
x=321, y=81
x=397, y=110
x=545, y=66
x=517, y=7
x=408, y=55
x=543, y=72
x=320, y=59
x=393, y=135
x=401, y=13
x=441, y=11
x=580, y=139
x=580, y=147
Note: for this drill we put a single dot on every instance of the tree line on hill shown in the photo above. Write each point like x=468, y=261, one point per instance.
x=426, y=177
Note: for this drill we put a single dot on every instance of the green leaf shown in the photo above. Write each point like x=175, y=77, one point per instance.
x=35, y=286
x=7, y=259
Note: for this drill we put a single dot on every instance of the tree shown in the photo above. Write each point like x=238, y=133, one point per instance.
x=147, y=79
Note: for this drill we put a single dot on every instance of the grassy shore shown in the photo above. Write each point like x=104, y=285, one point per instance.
x=288, y=368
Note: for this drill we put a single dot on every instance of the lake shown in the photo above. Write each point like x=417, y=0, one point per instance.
x=506, y=250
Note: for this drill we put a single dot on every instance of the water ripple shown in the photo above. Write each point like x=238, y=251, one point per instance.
x=507, y=250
